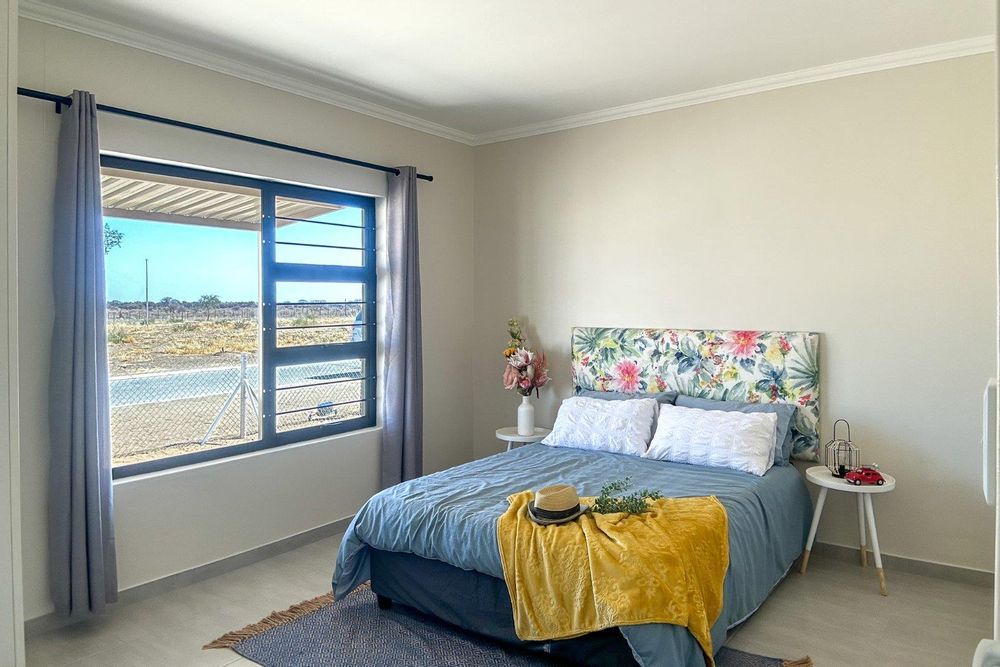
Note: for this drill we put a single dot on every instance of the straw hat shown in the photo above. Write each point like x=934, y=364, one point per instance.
x=555, y=504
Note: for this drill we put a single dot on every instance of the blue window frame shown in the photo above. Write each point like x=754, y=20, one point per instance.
x=297, y=370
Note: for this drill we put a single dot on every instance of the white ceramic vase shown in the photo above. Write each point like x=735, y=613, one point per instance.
x=526, y=417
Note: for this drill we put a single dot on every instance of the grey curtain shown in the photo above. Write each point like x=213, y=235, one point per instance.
x=82, y=572
x=403, y=422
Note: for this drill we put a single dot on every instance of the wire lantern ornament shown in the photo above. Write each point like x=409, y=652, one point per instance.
x=841, y=455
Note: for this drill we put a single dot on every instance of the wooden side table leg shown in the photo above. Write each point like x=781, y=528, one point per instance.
x=875, y=550
x=812, y=529
x=861, y=529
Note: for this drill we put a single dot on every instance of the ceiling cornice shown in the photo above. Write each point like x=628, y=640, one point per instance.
x=308, y=87
x=926, y=54
x=64, y=18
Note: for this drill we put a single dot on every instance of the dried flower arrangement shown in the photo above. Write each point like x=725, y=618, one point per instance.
x=526, y=371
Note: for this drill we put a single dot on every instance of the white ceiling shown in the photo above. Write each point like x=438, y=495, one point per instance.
x=481, y=70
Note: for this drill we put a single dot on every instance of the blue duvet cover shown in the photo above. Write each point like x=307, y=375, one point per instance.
x=451, y=516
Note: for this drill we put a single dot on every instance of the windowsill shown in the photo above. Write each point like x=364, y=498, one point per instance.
x=249, y=455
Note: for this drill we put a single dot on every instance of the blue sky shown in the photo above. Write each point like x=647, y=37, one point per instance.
x=187, y=261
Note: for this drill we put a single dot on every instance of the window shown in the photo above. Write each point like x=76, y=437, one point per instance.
x=241, y=313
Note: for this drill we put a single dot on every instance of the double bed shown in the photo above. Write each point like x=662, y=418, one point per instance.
x=431, y=543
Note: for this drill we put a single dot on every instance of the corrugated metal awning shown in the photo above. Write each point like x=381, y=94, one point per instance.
x=142, y=196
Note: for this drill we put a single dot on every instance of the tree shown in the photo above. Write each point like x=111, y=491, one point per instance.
x=112, y=238
x=209, y=301
x=169, y=302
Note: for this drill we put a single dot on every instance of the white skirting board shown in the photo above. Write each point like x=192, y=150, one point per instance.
x=955, y=573
x=50, y=622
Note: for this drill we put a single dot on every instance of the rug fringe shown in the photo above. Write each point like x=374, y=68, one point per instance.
x=274, y=620
x=801, y=662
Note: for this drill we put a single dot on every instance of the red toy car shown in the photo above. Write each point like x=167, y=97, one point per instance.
x=864, y=475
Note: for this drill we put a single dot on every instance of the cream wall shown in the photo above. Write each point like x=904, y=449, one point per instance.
x=173, y=521
x=861, y=207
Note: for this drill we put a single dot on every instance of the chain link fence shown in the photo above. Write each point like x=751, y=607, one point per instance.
x=183, y=384
x=160, y=414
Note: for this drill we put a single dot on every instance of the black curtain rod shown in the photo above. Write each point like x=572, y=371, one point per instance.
x=60, y=101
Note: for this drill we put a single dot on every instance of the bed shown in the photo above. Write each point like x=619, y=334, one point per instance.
x=430, y=543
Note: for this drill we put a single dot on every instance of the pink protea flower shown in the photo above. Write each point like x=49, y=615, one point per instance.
x=742, y=344
x=625, y=376
x=510, y=377
x=521, y=358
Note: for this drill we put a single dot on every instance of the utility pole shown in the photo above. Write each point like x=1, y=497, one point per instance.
x=147, y=292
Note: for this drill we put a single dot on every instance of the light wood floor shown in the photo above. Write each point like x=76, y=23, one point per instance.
x=833, y=614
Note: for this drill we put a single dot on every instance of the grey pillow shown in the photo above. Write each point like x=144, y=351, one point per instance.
x=785, y=412
x=660, y=396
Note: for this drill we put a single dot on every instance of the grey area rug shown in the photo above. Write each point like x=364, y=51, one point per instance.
x=355, y=632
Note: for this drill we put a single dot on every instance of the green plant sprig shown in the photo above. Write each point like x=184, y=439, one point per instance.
x=636, y=502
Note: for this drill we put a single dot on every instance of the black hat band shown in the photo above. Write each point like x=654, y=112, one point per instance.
x=551, y=515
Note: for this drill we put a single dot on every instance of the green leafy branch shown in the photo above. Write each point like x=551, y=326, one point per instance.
x=636, y=502
x=112, y=238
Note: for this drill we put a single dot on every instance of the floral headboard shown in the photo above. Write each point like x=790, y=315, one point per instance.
x=751, y=366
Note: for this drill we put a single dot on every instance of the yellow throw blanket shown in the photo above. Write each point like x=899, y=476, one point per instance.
x=606, y=570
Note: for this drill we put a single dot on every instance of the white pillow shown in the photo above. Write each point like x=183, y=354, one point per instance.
x=623, y=427
x=737, y=440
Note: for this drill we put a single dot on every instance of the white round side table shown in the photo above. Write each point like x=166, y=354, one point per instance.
x=510, y=436
x=822, y=477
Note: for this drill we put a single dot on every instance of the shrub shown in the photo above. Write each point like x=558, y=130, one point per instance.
x=119, y=336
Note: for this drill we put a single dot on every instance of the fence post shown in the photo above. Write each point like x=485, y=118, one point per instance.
x=243, y=394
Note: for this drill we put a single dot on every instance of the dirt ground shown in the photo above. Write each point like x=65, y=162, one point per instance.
x=158, y=347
